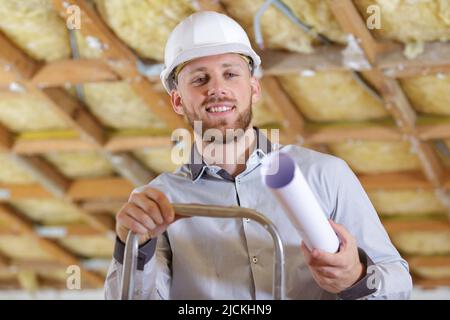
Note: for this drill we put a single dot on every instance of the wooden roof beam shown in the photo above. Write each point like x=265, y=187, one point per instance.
x=63, y=72
x=54, y=182
x=350, y=21
x=122, y=60
x=77, y=115
x=129, y=167
x=44, y=173
x=118, y=189
x=435, y=58
x=52, y=248
x=392, y=181
x=81, y=189
x=397, y=226
x=6, y=139
x=331, y=134
x=67, y=107
x=312, y=134
x=14, y=64
x=74, y=113
x=395, y=99
x=114, y=144
x=278, y=100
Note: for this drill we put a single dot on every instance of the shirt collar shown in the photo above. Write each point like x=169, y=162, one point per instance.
x=197, y=165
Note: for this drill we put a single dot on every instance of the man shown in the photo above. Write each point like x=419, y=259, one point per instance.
x=209, y=66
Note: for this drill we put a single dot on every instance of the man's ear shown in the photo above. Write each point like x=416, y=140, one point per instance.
x=177, y=103
x=256, y=89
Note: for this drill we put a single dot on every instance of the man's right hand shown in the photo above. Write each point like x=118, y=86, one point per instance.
x=148, y=213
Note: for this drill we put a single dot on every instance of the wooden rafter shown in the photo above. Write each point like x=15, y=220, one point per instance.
x=389, y=181
x=434, y=60
x=79, y=118
x=52, y=248
x=62, y=72
x=22, y=67
x=53, y=181
x=393, y=226
x=312, y=135
x=6, y=139
x=74, y=113
x=82, y=189
x=129, y=167
x=14, y=64
x=44, y=173
x=122, y=60
x=395, y=99
x=330, y=134
x=276, y=98
x=114, y=144
x=115, y=188
x=350, y=21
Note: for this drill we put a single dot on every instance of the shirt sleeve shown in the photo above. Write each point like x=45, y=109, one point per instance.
x=387, y=272
x=153, y=277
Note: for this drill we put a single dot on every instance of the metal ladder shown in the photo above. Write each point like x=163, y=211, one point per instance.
x=196, y=210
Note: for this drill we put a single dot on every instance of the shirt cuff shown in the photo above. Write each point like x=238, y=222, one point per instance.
x=359, y=289
x=145, y=252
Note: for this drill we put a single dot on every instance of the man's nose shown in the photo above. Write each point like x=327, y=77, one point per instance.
x=217, y=88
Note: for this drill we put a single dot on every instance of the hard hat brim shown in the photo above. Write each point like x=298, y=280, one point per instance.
x=205, y=51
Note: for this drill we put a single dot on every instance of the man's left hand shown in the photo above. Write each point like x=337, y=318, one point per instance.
x=335, y=272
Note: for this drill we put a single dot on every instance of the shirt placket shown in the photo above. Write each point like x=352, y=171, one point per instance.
x=260, y=262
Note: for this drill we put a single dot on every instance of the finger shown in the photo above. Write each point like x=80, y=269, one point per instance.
x=131, y=224
x=161, y=200
x=178, y=217
x=331, y=273
x=322, y=258
x=149, y=206
x=142, y=217
x=342, y=233
x=306, y=253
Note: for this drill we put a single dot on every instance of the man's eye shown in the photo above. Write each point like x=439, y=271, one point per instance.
x=199, y=80
x=231, y=75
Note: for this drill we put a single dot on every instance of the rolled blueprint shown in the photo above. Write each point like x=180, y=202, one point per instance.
x=285, y=180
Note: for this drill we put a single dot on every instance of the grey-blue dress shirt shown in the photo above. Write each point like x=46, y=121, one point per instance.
x=204, y=258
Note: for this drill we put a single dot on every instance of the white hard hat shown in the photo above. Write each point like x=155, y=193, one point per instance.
x=202, y=34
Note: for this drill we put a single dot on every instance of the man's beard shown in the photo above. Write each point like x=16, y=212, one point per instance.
x=236, y=129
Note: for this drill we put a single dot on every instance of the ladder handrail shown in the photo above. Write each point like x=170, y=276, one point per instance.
x=198, y=210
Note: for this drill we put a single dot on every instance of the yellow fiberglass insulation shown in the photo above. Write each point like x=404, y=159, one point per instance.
x=11, y=172
x=36, y=27
x=332, y=96
x=89, y=246
x=48, y=211
x=117, y=106
x=23, y=248
x=80, y=164
x=278, y=31
x=411, y=20
x=405, y=202
x=20, y=112
x=423, y=242
x=429, y=94
x=144, y=25
x=377, y=156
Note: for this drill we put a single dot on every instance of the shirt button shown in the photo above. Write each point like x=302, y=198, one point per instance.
x=255, y=260
x=247, y=220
